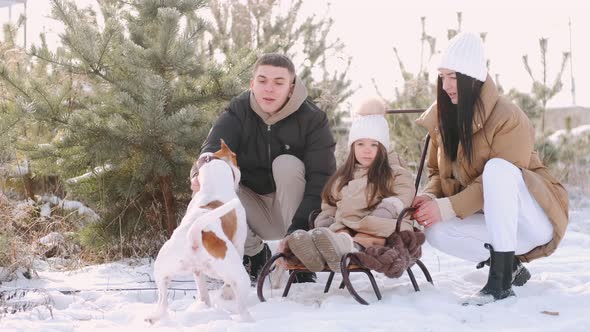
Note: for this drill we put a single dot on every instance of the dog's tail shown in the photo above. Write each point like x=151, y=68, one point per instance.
x=209, y=217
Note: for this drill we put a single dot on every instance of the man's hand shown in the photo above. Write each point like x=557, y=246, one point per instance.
x=195, y=185
x=428, y=213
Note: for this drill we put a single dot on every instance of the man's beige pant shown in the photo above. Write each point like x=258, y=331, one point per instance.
x=269, y=216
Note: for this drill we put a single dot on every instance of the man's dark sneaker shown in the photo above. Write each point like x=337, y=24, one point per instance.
x=254, y=264
x=302, y=277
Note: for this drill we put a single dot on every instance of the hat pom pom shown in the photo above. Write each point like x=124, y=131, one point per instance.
x=371, y=106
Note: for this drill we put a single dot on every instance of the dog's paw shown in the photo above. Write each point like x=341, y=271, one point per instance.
x=152, y=319
x=278, y=276
x=245, y=317
x=205, y=299
x=227, y=293
x=155, y=316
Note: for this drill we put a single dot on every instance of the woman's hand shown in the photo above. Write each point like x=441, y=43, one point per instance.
x=427, y=213
x=420, y=199
x=283, y=248
x=283, y=245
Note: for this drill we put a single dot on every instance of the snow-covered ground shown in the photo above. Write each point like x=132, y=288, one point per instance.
x=574, y=134
x=557, y=298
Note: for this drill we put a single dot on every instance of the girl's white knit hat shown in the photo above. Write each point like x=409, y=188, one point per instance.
x=370, y=122
x=465, y=55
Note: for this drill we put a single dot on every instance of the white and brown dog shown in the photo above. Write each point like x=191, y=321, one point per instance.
x=210, y=239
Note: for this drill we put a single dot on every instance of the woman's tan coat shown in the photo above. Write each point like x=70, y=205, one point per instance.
x=501, y=131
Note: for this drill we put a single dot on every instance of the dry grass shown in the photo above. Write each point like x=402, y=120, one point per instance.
x=21, y=227
x=124, y=236
x=15, y=250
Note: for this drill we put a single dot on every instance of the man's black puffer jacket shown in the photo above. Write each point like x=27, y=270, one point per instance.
x=304, y=134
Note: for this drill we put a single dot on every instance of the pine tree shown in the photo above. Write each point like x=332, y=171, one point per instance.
x=130, y=94
x=243, y=30
x=137, y=102
x=418, y=92
x=21, y=135
x=541, y=89
x=529, y=104
x=541, y=93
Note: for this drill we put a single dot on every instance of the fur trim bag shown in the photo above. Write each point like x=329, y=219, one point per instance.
x=401, y=251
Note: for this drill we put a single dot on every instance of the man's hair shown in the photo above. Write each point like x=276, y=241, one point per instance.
x=276, y=60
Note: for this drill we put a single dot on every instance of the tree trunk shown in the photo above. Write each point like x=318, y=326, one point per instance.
x=169, y=203
x=28, y=184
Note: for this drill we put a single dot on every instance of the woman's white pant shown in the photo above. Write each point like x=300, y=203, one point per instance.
x=512, y=219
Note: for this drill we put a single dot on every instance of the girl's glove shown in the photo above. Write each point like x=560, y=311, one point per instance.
x=389, y=208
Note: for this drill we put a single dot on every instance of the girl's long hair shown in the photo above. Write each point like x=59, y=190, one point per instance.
x=456, y=121
x=379, y=178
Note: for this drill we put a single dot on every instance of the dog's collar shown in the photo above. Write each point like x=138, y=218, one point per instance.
x=205, y=159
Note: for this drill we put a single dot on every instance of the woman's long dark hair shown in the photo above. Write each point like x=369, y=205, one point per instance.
x=379, y=178
x=456, y=121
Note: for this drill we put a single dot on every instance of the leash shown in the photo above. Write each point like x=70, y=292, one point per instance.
x=5, y=291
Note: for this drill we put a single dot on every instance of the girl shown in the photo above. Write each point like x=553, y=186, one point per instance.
x=362, y=200
x=482, y=151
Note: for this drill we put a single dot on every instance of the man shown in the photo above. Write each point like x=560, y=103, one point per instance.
x=285, y=152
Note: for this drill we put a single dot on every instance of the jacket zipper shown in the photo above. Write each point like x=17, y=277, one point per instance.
x=272, y=182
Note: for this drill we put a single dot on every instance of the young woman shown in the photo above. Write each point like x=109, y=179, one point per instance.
x=362, y=200
x=482, y=151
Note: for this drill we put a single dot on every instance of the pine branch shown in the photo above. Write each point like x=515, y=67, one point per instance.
x=8, y=79
x=105, y=47
x=11, y=125
x=58, y=5
x=72, y=68
x=44, y=97
x=525, y=60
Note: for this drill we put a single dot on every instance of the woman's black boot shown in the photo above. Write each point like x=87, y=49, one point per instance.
x=499, y=285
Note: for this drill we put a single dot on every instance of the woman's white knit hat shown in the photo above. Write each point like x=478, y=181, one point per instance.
x=370, y=122
x=465, y=55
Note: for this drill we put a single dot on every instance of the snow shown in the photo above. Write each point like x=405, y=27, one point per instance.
x=45, y=210
x=575, y=134
x=52, y=239
x=96, y=171
x=66, y=204
x=21, y=169
x=83, y=210
x=557, y=298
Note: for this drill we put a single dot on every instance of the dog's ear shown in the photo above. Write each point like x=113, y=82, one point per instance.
x=225, y=153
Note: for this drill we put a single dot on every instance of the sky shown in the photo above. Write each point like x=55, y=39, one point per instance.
x=371, y=28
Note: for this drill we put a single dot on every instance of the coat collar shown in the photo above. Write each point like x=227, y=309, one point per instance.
x=489, y=97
